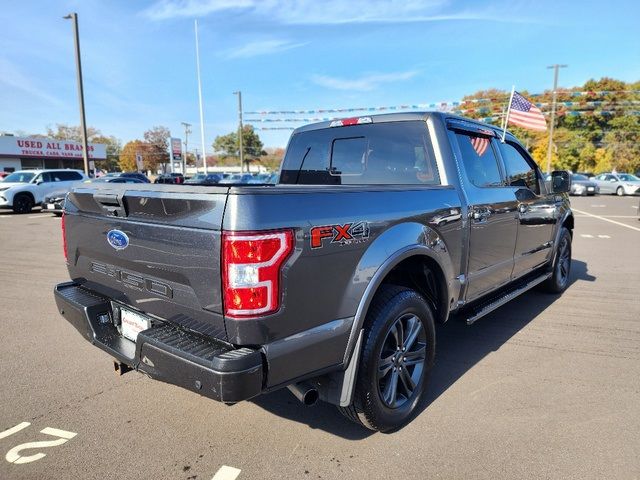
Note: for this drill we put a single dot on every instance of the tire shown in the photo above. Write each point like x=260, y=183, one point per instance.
x=397, y=318
x=559, y=280
x=620, y=191
x=23, y=203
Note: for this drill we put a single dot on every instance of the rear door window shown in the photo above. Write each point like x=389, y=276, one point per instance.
x=479, y=159
x=393, y=153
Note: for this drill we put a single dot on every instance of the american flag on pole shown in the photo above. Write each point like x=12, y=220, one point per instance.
x=525, y=114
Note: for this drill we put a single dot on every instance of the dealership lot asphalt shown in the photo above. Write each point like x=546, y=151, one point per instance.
x=545, y=387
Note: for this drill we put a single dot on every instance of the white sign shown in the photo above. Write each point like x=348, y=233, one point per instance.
x=139, y=162
x=48, y=147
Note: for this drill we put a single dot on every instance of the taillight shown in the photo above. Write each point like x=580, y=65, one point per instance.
x=251, y=264
x=64, y=238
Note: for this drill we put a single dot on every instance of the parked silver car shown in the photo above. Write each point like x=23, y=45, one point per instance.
x=618, y=183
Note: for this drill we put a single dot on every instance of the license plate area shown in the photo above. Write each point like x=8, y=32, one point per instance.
x=132, y=323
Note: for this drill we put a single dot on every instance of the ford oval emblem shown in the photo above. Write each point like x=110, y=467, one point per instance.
x=118, y=239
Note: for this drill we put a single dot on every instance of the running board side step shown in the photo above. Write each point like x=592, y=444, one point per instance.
x=496, y=303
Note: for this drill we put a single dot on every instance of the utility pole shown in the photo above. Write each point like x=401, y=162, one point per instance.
x=204, y=152
x=240, y=148
x=187, y=131
x=555, y=67
x=83, y=126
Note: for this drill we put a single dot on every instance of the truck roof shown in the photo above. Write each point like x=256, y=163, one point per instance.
x=392, y=117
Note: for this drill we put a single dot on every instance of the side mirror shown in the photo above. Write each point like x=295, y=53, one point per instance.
x=560, y=181
x=613, y=180
x=39, y=182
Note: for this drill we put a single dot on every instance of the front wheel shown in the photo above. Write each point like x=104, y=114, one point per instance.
x=620, y=191
x=398, y=353
x=559, y=279
x=23, y=203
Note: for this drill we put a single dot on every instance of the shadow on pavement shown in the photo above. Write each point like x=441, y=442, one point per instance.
x=459, y=348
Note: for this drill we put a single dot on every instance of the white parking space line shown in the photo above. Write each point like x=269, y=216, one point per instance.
x=585, y=235
x=613, y=216
x=598, y=206
x=38, y=216
x=607, y=220
x=604, y=236
x=226, y=473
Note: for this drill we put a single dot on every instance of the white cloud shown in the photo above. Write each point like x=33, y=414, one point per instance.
x=262, y=47
x=327, y=12
x=13, y=77
x=364, y=83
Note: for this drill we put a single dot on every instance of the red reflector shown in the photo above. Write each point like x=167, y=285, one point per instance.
x=251, y=265
x=64, y=237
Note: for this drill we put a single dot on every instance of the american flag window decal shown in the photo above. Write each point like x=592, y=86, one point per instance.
x=479, y=144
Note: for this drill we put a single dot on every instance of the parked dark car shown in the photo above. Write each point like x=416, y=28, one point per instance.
x=330, y=282
x=204, y=179
x=238, y=178
x=139, y=176
x=173, y=178
x=582, y=185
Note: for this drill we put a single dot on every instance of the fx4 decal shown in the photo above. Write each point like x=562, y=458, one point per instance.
x=347, y=234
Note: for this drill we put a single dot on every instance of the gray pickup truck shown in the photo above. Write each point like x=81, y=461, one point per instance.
x=328, y=283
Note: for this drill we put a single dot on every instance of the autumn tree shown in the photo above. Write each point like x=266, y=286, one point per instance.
x=157, y=139
x=127, y=161
x=114, y=147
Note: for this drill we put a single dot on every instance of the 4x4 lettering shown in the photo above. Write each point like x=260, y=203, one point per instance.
x=347, y=234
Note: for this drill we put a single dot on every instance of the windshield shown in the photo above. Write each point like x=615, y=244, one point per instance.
x=625, y=177
x=577, y=176
x=20, y=177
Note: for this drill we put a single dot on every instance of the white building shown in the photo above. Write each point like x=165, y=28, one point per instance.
x=23, y=153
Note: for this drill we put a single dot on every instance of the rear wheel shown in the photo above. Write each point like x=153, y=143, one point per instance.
x=559, y=280
x=22, y=203
x=620, y=191
x=397, y=354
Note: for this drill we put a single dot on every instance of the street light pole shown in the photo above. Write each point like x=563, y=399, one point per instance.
x=555, y=67
x=240, y=148
x=204, y=152
x=83, y=126
x=187, y=131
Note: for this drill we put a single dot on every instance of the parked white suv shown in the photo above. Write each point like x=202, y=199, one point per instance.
x=24, y=189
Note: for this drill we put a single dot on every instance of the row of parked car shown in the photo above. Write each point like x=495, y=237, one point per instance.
x=606, y=183
x=21, y=191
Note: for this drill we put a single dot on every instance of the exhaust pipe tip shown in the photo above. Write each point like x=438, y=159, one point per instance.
x=305, y=393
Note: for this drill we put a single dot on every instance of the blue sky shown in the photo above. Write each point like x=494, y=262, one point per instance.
x=139, y=56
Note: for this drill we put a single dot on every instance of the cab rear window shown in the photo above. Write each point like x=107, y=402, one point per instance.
x=394, y=153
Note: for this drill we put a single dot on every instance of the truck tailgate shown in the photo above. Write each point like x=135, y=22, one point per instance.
x=164, y=257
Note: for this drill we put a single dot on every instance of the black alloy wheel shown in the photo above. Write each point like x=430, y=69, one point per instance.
x=396, y=357
x=401, y=361
x=22, y=203
x=561, y=267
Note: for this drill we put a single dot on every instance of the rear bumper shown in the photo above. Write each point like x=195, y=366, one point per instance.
x=206, y=366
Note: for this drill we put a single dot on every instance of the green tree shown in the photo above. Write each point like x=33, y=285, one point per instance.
x=226, y=146
x=114, y=147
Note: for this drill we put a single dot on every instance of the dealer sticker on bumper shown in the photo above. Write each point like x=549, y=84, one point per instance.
x=133, y=323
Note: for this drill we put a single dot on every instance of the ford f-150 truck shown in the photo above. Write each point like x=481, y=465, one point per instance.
x=329, y=282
